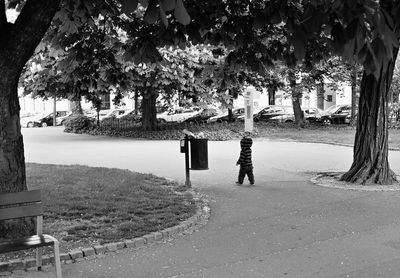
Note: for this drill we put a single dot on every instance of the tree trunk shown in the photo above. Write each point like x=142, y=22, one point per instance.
x=76, y=107
x=136, y=98
x=17, y=44
x=230, y=114
x=370, y=156
x=271, y=95
x=353, y=91
x=149, y=111
x=296, y=97
x=320, y=96
x=12, y=160
x=54, y=111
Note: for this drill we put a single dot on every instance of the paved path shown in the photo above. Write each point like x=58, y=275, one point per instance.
x=283, y=227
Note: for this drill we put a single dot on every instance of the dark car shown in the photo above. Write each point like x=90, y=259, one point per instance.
x=224, y=117
x=202, y=116
x=337, y=114
x=312, y=114
x=47, y=120
x=281, y=113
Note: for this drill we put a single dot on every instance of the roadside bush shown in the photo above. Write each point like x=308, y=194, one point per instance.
x=78, y=124
x=212, y=131
x=173, y=131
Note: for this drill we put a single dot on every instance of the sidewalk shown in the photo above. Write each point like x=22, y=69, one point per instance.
x=285, y=226
x=289, y=228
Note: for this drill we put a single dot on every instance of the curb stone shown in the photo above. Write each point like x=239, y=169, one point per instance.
x=333, y=182
x=199, y=218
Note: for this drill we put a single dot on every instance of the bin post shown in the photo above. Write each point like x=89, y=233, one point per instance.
x=187, y=169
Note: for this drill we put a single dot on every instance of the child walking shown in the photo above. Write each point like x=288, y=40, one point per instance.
x=246, y=165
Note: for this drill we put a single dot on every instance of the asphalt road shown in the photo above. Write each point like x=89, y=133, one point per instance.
x=283, y=227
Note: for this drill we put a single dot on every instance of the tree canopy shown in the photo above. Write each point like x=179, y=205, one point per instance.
x=362, y=31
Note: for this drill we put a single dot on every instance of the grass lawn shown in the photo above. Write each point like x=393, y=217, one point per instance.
x=86, y=206
x=340, y=134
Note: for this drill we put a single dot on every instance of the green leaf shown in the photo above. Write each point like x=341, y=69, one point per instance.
x=168, y=5
x=163, y=17
x=144, y=3
x=129, y=6
x=151, y=14
x=181, y=14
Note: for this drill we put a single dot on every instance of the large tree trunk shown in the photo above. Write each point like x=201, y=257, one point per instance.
x=12, y=160
x=149, y=111
x=76, y=107
x=17, y=44
x=296, y=97
x=370, y=157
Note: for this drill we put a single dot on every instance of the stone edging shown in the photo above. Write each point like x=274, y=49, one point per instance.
x=201, y=216
x=330, y=180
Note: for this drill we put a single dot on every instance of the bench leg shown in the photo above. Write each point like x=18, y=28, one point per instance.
x=39, y=258
x=57, y=259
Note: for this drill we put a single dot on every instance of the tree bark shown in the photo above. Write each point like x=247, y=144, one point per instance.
x=76, y=107
x=320, y=95
x=230, y=113
x=271, y=95
x=12, y=160
x=353, y=91
x=149, y=111
x=136, y=98
x=296, y=97
x=370, y=156
x=17, y=44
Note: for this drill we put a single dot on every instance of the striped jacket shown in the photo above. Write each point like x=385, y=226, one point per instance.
x=245, y=153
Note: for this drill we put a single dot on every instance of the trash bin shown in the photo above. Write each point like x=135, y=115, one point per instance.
x=198, y=154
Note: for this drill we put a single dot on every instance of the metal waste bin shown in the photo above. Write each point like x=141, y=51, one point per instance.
x=198, y=154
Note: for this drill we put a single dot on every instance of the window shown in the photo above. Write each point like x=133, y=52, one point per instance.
x=329, y=98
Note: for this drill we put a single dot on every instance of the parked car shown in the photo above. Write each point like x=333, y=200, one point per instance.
x=224, y=117
x=28, y=121
x=43, y=120
x=312, y=114
x=337, y=114
x=130, y=115
x=281, y=113
x=114, y=113
x=177, y=115
x=202, y=116
x=60, y=120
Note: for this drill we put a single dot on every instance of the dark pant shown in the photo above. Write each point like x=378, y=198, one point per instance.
x=246, y=170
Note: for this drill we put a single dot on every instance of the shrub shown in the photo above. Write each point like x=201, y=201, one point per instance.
x=78, y=124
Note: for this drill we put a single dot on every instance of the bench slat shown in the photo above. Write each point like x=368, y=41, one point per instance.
x=26, y=243
x=20, y=197
x=21, y=211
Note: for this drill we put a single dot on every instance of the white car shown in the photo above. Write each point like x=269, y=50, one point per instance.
x=177, y=115
x=28, y=121
x=109, y=113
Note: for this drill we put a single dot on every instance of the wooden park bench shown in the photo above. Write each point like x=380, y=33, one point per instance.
x=28, y=204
